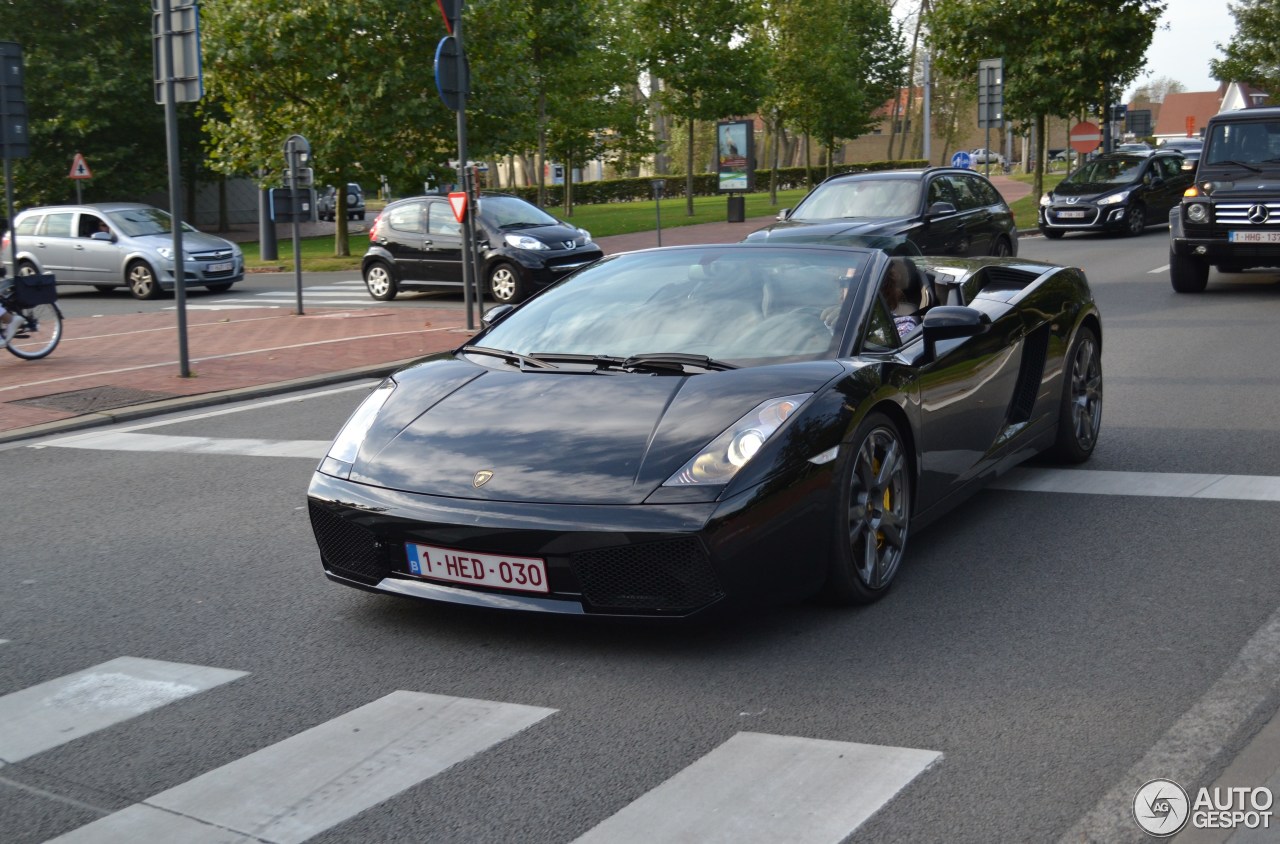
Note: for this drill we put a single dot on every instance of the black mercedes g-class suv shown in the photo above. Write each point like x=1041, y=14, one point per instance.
x=1230, y=217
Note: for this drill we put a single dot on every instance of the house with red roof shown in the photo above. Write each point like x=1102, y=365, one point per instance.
x=1185, y=115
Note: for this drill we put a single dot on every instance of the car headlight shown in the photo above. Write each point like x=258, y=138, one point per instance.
x=586, y=236
x=523, y=241
x=1115, y=198
x=1046, y=199
x=166, y=252
x=1197, y=212
x=729, y=452
x=345, y=447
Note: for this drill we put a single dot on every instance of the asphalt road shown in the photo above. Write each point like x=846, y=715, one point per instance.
x=1037, y=647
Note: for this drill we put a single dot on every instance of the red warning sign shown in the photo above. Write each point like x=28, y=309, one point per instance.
x=80, y=169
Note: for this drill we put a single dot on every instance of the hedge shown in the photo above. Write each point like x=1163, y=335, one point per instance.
x=640, y=188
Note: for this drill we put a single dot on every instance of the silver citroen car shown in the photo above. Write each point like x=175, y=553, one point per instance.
x=119, y=244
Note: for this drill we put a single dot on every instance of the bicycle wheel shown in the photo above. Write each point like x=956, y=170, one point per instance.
x=40, y=335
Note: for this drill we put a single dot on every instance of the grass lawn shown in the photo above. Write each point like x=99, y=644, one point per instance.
x=1025, y=210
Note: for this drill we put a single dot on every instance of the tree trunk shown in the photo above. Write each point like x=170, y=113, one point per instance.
x=1037, y=184
x=568, y=186
x=808, y=163
x=688, y=176
x=542, y=149
x=773, y=170
x=911, y=88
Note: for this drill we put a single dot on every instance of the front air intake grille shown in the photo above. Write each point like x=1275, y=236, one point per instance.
x=346, y=548
x=673, y=575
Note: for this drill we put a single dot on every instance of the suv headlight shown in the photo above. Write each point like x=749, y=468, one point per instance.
x=523, y=241
x=1197, y=212
x=1115, y=198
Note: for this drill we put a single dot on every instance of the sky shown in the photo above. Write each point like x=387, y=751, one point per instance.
x=1184, y=43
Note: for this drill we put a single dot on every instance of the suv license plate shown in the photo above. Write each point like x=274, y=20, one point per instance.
x=1254, y=237
x=520, y=574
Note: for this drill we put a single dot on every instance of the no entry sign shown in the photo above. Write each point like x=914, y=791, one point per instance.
x=1085, y=137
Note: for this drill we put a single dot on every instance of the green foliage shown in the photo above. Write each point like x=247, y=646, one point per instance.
x=831, y=78
x=1061, y=57
x=1253, y=55
x=89, y=89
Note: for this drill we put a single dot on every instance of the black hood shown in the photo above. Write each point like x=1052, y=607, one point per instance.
x=1088, y=190
x=583, y=438
x=557, y=236
x=830, y=230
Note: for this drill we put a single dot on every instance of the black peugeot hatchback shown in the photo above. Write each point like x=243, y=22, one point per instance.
x=416, y=244
x=942, y=210
x=1120, y=192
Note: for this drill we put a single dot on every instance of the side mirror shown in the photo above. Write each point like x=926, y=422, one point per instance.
x=103, y=236
x=941, y=209
x=947, y=322
x=784, y=214
x=496, y=314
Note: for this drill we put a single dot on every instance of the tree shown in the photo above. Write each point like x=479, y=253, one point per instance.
x=704, y=55
x=1253, y=55
x=1157, y=89
x=1061, y=57
x=89, y=89
x=353, y=78
x=831, y=79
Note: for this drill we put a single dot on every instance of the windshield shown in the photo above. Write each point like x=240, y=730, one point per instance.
x=1250, y=142
x=733, y=303
x=139, y=221
x=508, y=212
x=860, y=198
x=1120, y=170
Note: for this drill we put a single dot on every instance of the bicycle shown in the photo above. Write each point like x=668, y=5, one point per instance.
x=32, y=302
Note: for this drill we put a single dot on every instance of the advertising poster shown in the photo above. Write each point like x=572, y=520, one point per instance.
x=735, y=143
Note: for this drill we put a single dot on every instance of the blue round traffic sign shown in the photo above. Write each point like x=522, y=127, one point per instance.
x=961, y=159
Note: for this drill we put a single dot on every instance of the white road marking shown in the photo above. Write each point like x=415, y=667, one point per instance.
x=50, y=714
x=1158, y=270
x=765, y=788
x=1149, y=484
x=315, y=780
x=156, y=443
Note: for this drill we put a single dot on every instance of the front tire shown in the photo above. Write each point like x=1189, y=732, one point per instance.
x=1137, y=221
x=1080, y=412
x=1188, y=274
x=380, y=281
x=873, y=514
x=142, y=281
x=1002, y=248
x=505, y=284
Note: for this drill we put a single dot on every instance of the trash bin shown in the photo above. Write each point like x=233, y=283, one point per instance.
x=737, y=209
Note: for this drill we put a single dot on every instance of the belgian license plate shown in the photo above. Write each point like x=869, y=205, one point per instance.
x=223, y=267
x=1254, y=237
x=521, y=574
x=1071, y=214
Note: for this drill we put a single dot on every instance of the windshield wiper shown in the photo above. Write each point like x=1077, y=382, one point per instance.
x=656, y=362
x=675, y=360
x=510, y=357
x=1238, y=164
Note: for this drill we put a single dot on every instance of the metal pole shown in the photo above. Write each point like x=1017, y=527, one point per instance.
x=296, y=201
x=175, y=188
x=8, y=175
x=657, y=206
x=468, y=241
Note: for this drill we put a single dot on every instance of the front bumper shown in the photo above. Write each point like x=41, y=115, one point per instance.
x=542, y=269
x=669, y=560
x=201, y=272
x=1092, y=217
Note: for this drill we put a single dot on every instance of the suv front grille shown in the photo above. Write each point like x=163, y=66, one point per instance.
x=1237, y=213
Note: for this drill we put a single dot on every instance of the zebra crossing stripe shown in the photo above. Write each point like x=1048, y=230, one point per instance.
x=1152, y=484
x=50, y=714
x=160, y=443
x=765, y=788
x=317, y=779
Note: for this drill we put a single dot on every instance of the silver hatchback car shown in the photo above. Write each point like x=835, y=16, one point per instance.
x=119, y=244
